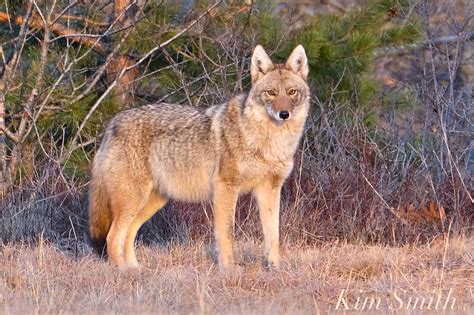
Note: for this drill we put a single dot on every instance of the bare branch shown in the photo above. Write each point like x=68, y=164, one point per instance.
x=172, y=39
x=59, y=30
x=11, y=64
x=125, y=69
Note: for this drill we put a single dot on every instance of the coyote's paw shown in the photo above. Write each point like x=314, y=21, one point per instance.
x=271, y=264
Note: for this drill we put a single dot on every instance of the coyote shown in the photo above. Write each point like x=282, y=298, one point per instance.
x=167, y=151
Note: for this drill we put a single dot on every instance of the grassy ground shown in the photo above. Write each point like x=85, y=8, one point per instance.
x=184, y=279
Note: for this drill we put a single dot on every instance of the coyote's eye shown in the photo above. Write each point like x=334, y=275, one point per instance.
x=292, y=92
x=271, y=93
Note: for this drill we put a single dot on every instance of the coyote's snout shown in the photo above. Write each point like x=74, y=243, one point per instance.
x=280, y=108
x=167, y=151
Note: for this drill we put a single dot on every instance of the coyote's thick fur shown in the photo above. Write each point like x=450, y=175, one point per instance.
x=167, y=151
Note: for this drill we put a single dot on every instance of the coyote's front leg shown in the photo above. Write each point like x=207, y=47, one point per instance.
x=224, y=199
x=267, y=194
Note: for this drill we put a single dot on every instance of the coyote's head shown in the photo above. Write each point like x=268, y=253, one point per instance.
x=280, y=88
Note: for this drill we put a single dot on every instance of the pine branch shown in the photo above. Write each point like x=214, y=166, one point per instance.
x=73, y=142
x=404, y=49
x=10, y=64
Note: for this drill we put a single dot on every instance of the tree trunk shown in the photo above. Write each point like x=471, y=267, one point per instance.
x=124, y=92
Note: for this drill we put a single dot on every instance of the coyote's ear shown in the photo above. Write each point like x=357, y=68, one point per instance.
x=260, y=63
x=298, y=63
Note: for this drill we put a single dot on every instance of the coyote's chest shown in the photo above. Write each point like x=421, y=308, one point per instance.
x=268, y=156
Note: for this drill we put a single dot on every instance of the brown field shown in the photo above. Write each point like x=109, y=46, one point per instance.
x=183, y=278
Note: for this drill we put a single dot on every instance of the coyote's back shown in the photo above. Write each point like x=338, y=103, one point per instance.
x=167, y=151
x=145, y=146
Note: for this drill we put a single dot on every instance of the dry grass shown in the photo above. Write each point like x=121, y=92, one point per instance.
x=184, y=279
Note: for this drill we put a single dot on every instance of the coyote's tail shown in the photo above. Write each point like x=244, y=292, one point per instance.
x=100, y=216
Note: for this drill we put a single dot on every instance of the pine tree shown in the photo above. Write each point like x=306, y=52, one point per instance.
x=341, y=48
x=205, y=64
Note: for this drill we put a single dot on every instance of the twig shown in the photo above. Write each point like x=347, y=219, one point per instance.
x=21, y=133
x=202, y=77
x=8, y=70
x=102, y=69
x=172, y=39
x=392, y=210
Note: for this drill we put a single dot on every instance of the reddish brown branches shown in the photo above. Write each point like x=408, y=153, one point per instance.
x=58, y=29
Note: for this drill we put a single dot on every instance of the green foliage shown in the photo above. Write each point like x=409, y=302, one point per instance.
x=152, y=30
x=14, y=6
x=401, y=99
x=400, y=34
x=78, y=164
x=202, y=48
x=217, y=49
x=271, y=29
x=340, y=50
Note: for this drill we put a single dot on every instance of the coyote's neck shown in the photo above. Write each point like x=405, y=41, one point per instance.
x=275, y=140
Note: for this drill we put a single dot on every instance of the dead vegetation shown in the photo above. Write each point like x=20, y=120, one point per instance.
x=182, y=278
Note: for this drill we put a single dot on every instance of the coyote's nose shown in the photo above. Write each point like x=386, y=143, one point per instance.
x=284, y=114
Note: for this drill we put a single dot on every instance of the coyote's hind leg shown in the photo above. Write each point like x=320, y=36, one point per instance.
x=126, y=202
x=154, y=203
